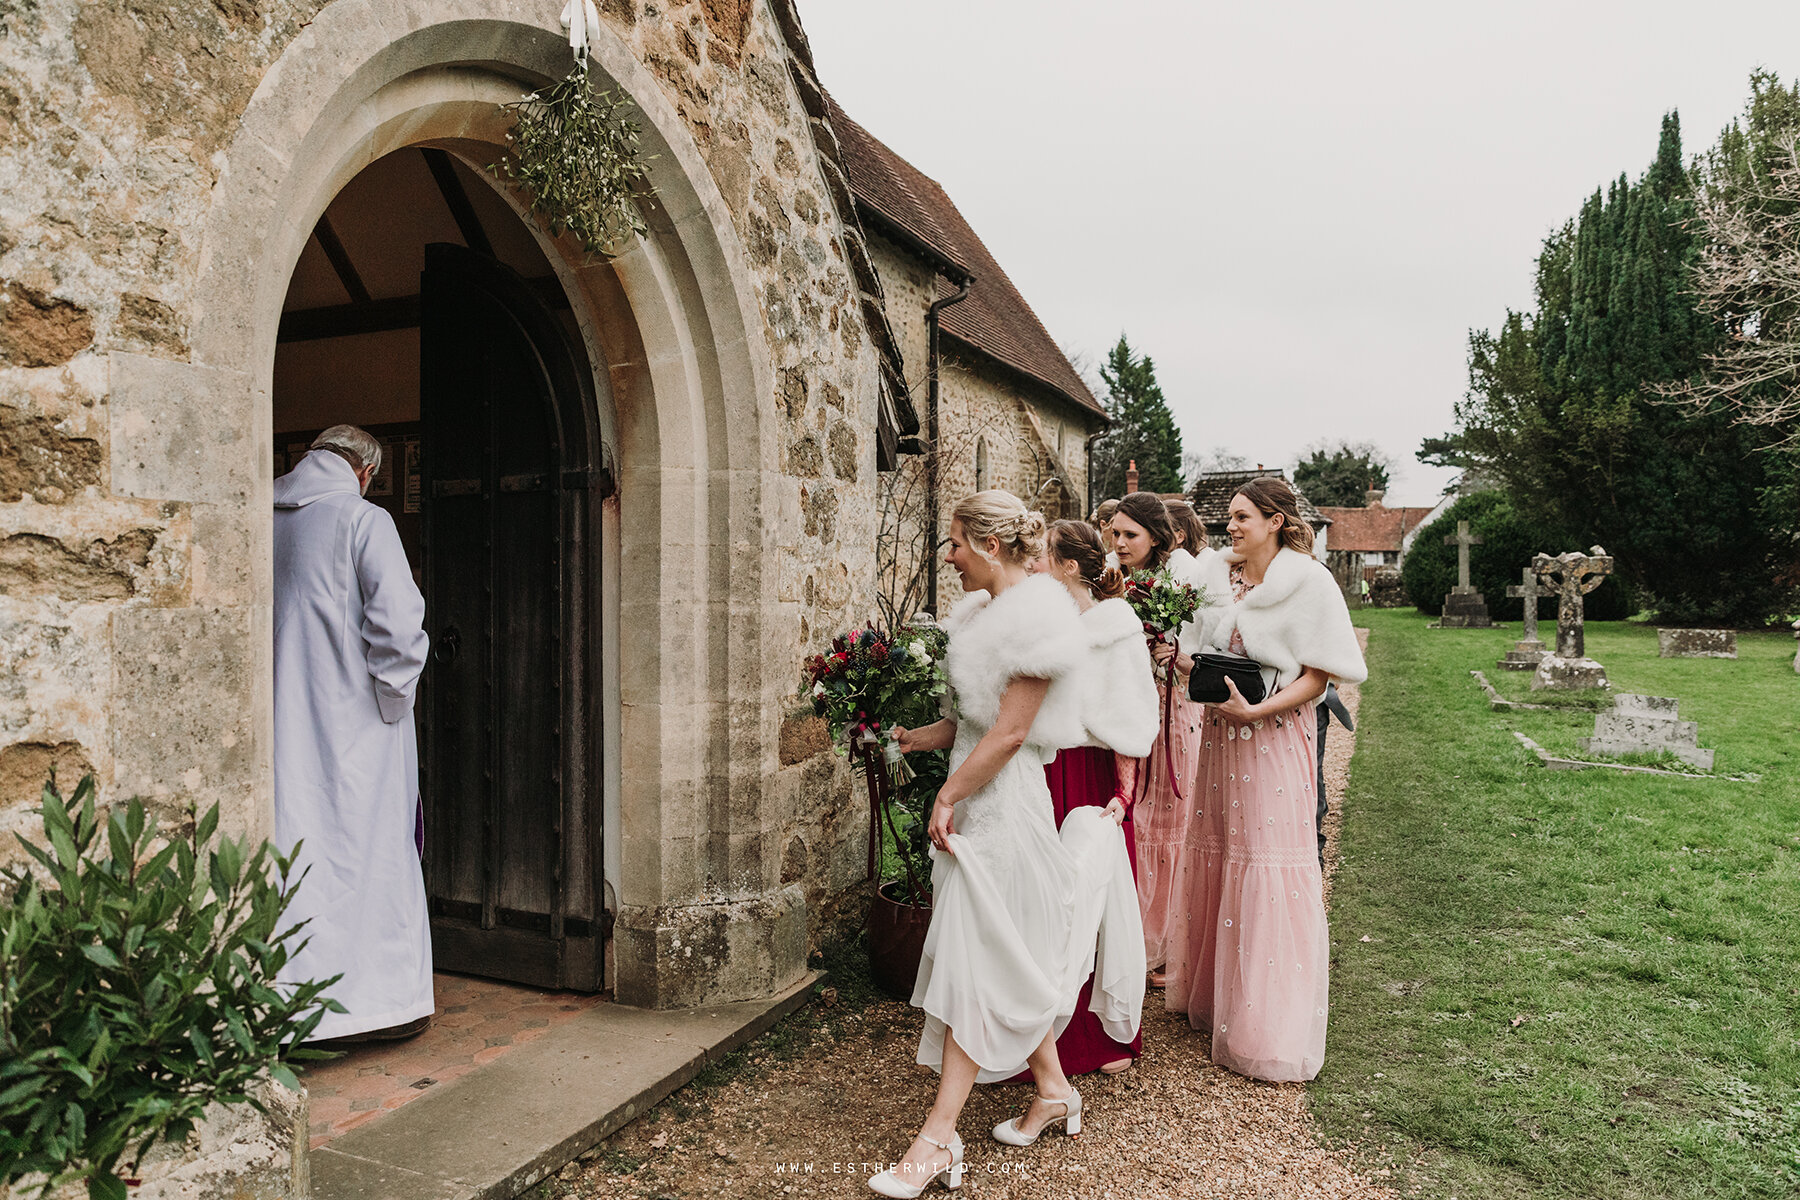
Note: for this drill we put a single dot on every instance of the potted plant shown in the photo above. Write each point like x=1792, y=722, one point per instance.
x=868, y=684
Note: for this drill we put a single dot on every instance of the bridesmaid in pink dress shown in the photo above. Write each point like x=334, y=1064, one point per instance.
x=1249, y=946
x=1161, y=783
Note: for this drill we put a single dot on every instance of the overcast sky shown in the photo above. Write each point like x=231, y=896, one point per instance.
x=1298, y=210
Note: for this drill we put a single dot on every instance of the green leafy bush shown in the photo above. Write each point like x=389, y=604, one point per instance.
x=1509, y=541
x=137, y=986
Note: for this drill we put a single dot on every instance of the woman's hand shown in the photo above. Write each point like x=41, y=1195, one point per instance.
x=1235, y=707
x=1115, y=808
x=1165, y=653
x=940, y=829
x=936, y=736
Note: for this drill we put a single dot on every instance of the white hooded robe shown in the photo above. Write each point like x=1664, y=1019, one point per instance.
x=349, y=647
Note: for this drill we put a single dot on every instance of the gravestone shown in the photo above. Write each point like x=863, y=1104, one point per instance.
x=1464, y=607
x=1387, y=588
x=1528, y=651
x=1697, y=643
x=1646, y=725
x=1570, y=577
x=1797, y=649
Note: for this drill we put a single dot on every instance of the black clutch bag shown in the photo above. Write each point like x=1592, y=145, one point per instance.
x=1206, y=683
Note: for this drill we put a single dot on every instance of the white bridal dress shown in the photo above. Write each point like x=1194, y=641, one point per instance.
x=1022, y=915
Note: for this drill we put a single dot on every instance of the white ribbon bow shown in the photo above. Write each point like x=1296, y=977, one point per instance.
x=582, y=22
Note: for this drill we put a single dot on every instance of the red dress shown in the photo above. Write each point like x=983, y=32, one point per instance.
x=1082, y=776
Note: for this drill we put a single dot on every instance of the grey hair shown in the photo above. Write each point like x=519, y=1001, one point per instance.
x=356, y=445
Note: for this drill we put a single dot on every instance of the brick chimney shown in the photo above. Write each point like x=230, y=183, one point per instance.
x=1372, y=497
x=1131, y=478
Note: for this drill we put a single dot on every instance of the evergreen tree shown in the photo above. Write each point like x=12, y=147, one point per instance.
x=1341, y=476
x=1562, y=407
x=1143, y=429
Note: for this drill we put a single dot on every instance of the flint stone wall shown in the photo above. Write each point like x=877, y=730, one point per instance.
x=979, y=401
x=134, y=624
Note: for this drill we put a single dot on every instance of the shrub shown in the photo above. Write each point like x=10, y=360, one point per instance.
x=1509, y=542
x=137, y=986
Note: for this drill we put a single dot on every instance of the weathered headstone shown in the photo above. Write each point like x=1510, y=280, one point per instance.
x=1464, y=607
x=1570, y=577
x=1697, y=643
x=1387, y=588
x=1528, y=651
x=1646, y=725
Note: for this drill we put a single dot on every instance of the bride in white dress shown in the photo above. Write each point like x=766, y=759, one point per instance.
x=1021, y=915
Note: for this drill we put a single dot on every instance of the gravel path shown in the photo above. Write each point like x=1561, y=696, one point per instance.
x=814, y=1119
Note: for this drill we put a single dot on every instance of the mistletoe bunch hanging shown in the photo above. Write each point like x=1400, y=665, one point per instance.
x=575, y=151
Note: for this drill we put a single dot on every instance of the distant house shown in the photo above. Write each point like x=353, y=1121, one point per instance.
x=1212, y=493
x=1365, y=539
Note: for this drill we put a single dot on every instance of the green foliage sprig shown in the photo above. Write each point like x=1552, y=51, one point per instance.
x=577, y=154
x=137, y=986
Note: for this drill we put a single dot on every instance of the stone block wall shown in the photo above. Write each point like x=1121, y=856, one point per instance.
x=134, y=504
x=980, y=403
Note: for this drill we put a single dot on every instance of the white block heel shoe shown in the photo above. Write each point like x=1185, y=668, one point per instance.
x=891, y=1183
x=1070, y=1117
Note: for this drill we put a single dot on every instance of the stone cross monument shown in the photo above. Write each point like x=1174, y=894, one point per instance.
x=1528, y=651
x=1570, y=577
x=1464, y=607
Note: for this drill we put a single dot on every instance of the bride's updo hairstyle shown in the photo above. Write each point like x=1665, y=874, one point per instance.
x=1272, y=495
x=1079, y=543
x=1000, y=514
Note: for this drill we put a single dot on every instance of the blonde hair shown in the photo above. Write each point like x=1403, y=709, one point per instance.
x=1001, y=515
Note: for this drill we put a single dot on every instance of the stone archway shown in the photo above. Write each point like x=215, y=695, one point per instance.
x=677, y=338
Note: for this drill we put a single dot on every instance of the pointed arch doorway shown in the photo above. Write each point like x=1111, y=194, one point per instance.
x=474, y=380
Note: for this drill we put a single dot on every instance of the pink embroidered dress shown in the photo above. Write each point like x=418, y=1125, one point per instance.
x=1249, y=948
x=1160, y=817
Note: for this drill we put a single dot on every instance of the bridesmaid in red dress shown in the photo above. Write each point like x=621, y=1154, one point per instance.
x=1121, y=718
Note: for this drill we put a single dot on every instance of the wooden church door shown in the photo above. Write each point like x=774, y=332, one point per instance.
x=510, y=741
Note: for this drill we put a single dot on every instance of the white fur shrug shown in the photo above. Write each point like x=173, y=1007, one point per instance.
x=1032, y=630
x=1118, y=695
x=1294, y=618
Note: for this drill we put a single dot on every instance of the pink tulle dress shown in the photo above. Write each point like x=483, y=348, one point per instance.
x=1160, y=815
x=1249, y=948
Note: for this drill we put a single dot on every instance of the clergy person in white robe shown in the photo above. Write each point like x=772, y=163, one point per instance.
x=349, y=647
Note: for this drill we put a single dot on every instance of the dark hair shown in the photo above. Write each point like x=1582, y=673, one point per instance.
x=1148, y=510
x=1079, y=542
x=1271, y=495
x=1105, y=512
x=1187, y=523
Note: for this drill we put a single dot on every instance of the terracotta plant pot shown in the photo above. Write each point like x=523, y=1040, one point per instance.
x=896, y=940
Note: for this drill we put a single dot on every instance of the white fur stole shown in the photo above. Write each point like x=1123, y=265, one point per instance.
x=1031, y=630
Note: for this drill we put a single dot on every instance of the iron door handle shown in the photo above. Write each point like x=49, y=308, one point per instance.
x=448, y=644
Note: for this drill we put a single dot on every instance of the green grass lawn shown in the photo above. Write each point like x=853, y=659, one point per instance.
x=1578, y=983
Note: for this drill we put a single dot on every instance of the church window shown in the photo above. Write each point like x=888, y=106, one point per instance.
x=983, y=476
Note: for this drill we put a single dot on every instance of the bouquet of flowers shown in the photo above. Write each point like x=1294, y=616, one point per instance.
x=871, y=682
x=1162, y=602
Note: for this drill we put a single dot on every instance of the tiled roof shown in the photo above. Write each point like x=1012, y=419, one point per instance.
x=1373, y=528
x=994, y=320
x=1213, y=491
